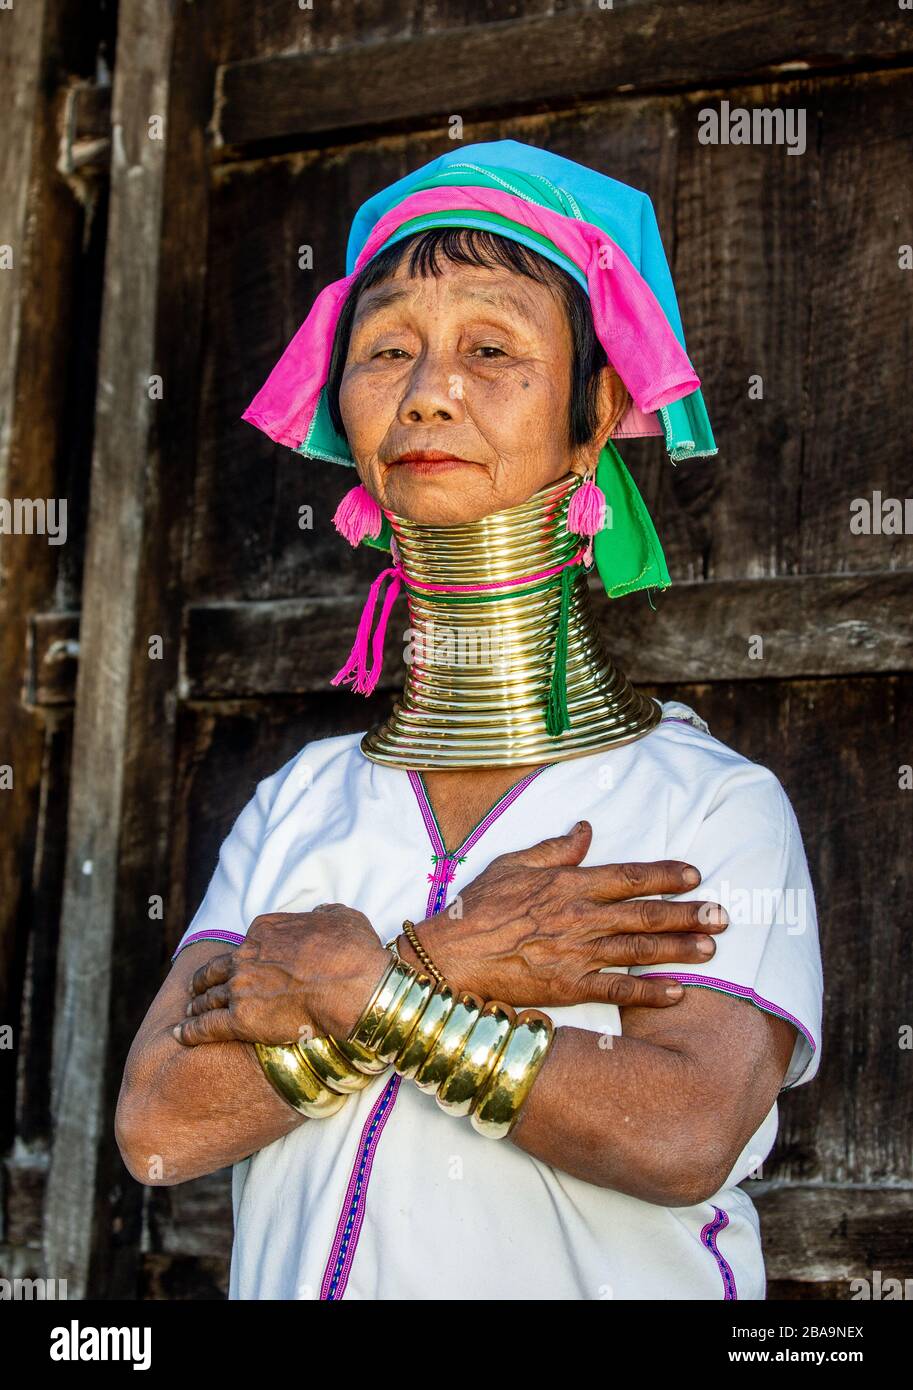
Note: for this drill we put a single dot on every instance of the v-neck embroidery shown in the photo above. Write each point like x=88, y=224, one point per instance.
x=444, y=862
x=506, y=799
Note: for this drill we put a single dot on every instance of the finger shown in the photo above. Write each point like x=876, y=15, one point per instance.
x=649, y=915
x=605, y=987
x=214, y=1026
x=638, y=880
x=219, y=997
x=559, y=849
x=640, y=948
x=214, y=972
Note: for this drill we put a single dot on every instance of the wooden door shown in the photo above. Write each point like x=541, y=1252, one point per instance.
x=210, y=622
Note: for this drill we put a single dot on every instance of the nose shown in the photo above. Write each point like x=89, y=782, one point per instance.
x=433, y=392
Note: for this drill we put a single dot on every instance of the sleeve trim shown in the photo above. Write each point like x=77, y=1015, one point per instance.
x=234, y=938
x=742, y=991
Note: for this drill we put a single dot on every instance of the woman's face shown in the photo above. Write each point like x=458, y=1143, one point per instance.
x=456, y=392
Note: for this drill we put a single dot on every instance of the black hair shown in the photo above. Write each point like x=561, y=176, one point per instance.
x=476, y=247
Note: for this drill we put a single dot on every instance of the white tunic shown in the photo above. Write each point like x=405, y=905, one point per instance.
x=393, y=1198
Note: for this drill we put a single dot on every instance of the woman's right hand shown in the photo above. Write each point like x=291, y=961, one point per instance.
x=536, y=926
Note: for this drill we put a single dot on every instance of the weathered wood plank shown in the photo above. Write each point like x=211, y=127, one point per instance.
x=43, y=418
x=189, y=1219
x=831, y=1235
x=119, y=813
x=24, y=1180
x=20, y=741
x=809, y=626
x=274, y=26
x=186, y=1278
x=815, y=625
x=33, y=1120
x=564, y=57
x=839, y=747
x=860, y=307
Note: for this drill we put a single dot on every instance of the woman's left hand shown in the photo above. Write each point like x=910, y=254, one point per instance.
x=296, y=975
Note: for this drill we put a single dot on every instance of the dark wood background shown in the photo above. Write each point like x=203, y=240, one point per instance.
x=137, y=257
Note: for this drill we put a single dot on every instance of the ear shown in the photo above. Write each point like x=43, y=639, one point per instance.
x=612, y=401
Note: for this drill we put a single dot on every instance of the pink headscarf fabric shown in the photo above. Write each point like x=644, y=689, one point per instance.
x=627, y=316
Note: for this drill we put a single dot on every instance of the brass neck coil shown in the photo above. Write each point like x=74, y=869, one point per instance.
x=479, y=660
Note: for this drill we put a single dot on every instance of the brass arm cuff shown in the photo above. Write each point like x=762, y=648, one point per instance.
x=502, y=1096
x=476, y=1060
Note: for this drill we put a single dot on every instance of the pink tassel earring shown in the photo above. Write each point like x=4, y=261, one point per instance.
x=587, y=513
x=358, y=515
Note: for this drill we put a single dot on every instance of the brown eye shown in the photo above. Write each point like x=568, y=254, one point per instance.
x=487, y=348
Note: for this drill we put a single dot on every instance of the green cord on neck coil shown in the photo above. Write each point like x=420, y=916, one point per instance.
x=557, y=719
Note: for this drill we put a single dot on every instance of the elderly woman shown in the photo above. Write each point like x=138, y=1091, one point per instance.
x=495, y=1000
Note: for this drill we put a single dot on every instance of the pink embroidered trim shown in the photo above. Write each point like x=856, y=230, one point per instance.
x=348, y=1228
x=496, y=583
x=215, y=934
x=728, y=987
x=708, y=1237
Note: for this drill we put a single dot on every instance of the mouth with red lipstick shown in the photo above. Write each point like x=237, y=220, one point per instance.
x=430, y=461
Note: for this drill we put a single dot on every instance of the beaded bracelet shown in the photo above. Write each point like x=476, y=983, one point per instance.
x=418, y=948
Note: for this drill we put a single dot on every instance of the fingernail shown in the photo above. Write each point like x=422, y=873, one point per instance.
x=176, y=1031
x=674, y=991
x=705, y=946
x=189, y=1009
x=691, y=877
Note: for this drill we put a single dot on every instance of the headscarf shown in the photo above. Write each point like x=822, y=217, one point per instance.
x=605, y=235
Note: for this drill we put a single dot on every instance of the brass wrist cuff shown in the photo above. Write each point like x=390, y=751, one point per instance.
x=426, y=1032
x=478, y=1059
x=394, y=1034
x=380, y=1010
x=449, y=1043
x=296, y=1081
